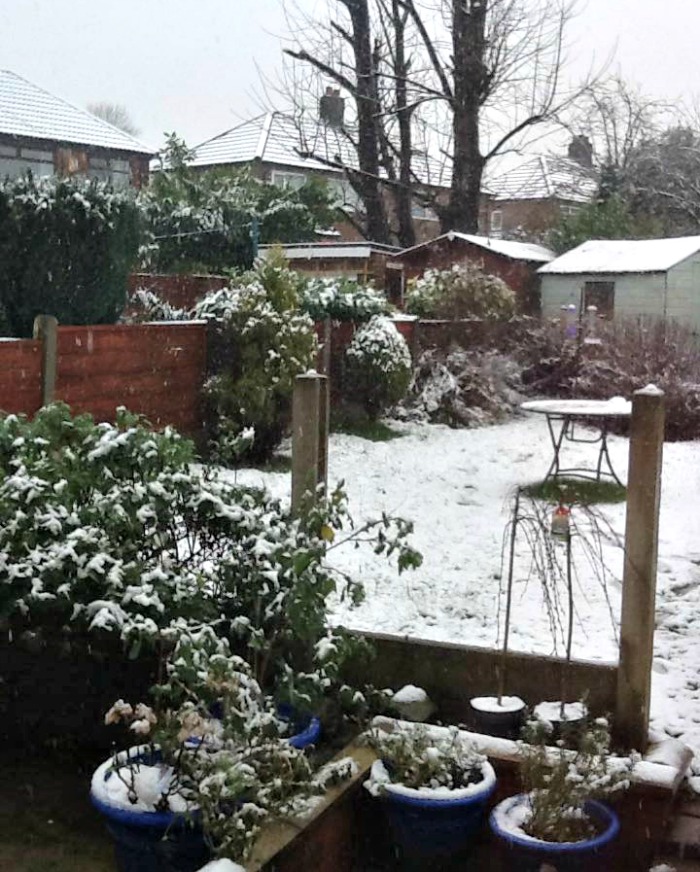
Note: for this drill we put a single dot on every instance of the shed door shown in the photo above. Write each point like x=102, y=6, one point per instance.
x=601, y=295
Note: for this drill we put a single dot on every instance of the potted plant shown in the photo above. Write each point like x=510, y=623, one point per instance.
x=200, y=785
x=434, y=786
x=558, y=821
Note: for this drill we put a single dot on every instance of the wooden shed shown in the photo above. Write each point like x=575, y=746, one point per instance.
x=363, y=261
x=514, y=262
x=658, y=278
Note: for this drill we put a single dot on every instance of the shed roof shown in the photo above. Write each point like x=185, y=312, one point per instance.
x=28, y=111
x=505, y=247
x=546, y=177
x=611, y=256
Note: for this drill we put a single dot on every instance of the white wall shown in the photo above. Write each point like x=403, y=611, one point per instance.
x=683, y=298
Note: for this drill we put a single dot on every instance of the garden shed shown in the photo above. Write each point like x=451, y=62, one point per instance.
x=514, y=262
x=631, y=277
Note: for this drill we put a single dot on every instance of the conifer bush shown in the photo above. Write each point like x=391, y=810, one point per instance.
x=67, y=246
x=378, y=367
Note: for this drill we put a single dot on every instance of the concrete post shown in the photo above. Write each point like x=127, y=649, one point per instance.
x=305, y=439
x=46, y=331
x=639, y=574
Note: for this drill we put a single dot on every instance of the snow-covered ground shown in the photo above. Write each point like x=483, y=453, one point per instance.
x=456, y=485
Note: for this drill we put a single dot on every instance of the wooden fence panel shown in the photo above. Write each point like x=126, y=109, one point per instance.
x=20, y=376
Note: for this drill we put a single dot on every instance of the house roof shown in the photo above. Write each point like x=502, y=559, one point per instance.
x=546, y=177
x=513, y=250
x=304, y=143
x=624, y=256
x=28, y=111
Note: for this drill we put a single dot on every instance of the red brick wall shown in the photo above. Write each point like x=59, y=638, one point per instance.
x=181, y=291
x=153, y=369
x=20, y=376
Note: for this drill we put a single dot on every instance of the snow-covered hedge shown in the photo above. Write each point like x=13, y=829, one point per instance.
x=463, y=291
x=342, y=300
x=378, y=366
x=68, y=246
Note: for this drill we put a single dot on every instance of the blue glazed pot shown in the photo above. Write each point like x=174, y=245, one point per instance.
x=432, y=824
x=308, y=729
x=153, y=841
x=530, y=855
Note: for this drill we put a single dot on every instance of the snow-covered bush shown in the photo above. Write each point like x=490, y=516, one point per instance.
x=559, y=782
x=148, y=306
x=342, y=299
x=378, y=366
x=68, y=246
x=463, y=291
x=110, y=529
x=263, y=343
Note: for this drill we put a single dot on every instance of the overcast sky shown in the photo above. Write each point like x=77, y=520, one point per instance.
x=192, y=65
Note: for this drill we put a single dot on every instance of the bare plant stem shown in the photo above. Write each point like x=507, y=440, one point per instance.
x=509, y=598
x=570, y=629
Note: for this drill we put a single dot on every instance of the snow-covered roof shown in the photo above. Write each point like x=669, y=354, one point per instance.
x=507, y=248
x=28, y=111
x=624, y=256
x=546, y=177
x=303, y=143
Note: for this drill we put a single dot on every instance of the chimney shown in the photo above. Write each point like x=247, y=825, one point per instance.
x=332, y=108
x=581, y=150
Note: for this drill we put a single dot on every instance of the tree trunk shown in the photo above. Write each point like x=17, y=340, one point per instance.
x=403, y=195
x=469, y=82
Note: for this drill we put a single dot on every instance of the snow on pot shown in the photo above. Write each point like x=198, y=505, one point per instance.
x=561, y=719
x=498, y=716
x=146, y=839
x=434, y=788
x=528, y=854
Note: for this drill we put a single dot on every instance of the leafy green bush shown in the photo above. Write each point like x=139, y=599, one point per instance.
x=378, y=366
x=464, y=291
x=264, y=342
x=342, y=299
x=111, y=530
x=66, y=249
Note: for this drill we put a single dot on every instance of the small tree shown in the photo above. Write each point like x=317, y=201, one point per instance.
x=66, y=248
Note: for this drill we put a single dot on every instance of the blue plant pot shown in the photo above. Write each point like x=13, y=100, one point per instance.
x=425, y=827
x=153, y=841
x=307, y=729
x=525, y=854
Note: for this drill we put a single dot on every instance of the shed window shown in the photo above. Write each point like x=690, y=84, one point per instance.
x=496, y=222
x=601, y=295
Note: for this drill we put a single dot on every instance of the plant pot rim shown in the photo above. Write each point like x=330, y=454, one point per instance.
x=430, y=798
x=485, y=705
x=599, y=810
x=135, y=817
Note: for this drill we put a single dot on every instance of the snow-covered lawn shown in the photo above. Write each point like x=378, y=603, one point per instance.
x=456, y=486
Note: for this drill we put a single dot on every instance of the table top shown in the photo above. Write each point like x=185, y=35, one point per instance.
x=616, y=407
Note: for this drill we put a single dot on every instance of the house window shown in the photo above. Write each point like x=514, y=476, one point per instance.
x=496, y=222
x=288, y=180
x=601, y=295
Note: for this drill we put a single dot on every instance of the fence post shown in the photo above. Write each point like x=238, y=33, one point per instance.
x=46, y=331
x=640, y=565
x=306, y=428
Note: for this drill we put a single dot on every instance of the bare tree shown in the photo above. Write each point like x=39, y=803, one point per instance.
x=467, y=79
x=114, y=114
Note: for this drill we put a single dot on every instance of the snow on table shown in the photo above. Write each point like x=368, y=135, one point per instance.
x=456, y=485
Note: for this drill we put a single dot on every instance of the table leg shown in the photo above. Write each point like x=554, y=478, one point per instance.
x=556, y=439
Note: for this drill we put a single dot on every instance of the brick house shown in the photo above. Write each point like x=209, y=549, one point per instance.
x=47, y=135
x=287, y=151
x=514, y=262
x=531, y=198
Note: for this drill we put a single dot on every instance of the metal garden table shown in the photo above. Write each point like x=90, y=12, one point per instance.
x=562, y=417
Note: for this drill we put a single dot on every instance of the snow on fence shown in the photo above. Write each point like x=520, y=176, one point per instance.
x=156, y=370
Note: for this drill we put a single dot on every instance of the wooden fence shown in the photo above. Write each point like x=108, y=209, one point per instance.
x=156, y=370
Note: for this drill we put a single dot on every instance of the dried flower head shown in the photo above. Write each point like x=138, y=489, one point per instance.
x=120, y=711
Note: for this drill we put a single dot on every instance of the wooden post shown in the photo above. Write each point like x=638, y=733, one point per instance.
x=324, y=424
x=639, y=574
x=46, y=330
x=305, y=439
